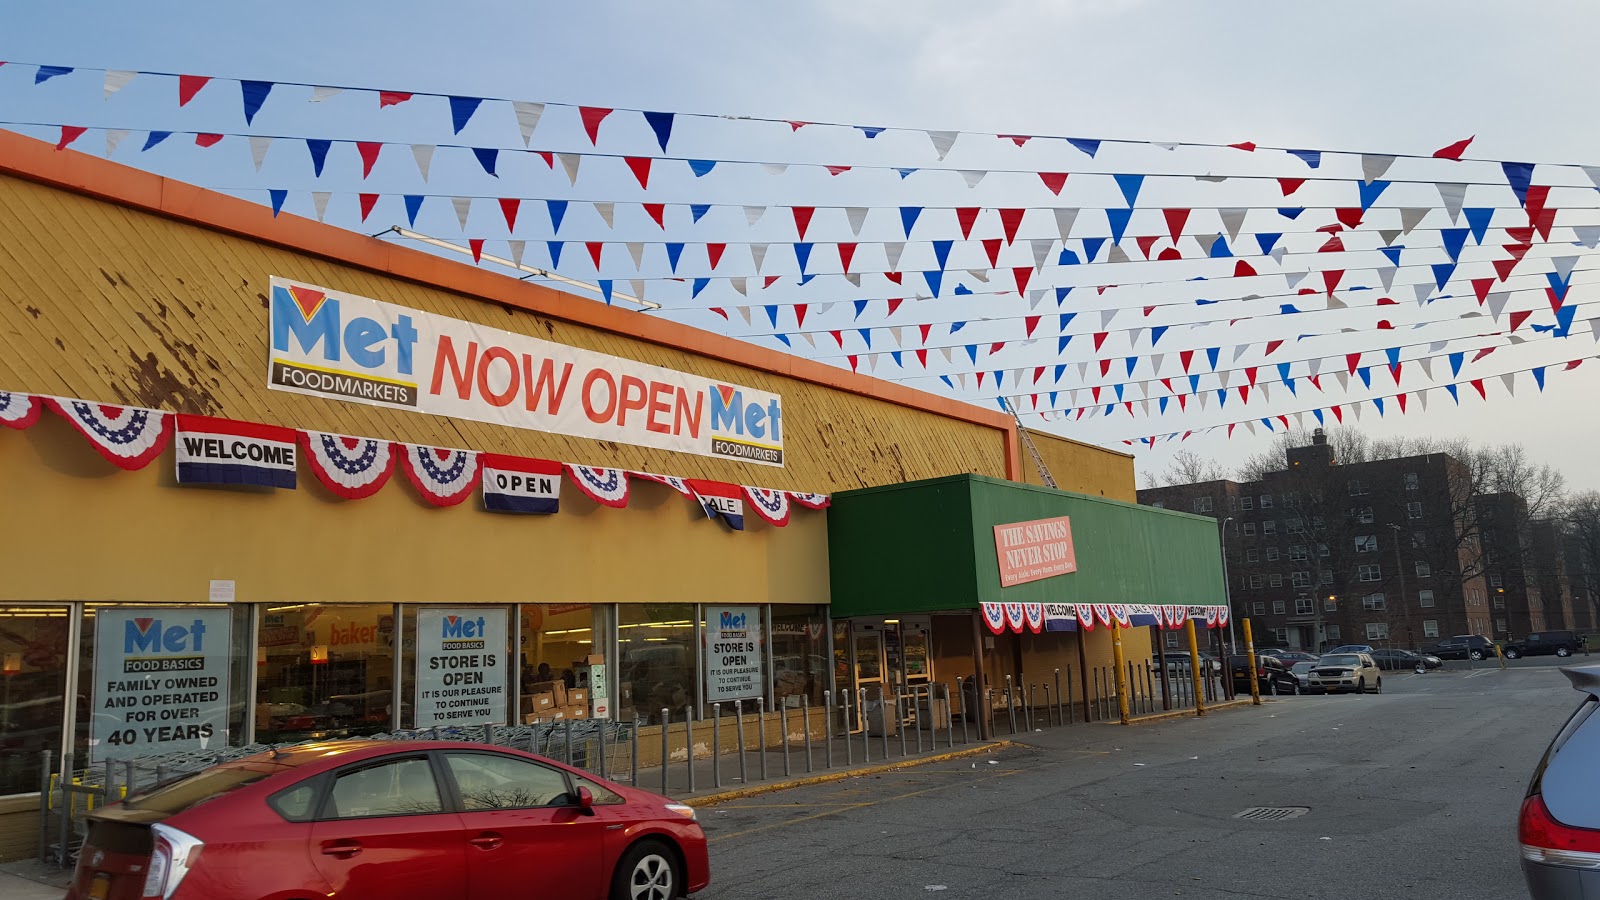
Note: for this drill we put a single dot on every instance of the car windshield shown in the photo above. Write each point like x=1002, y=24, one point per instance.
x=1300, y=668
x=1341, y=659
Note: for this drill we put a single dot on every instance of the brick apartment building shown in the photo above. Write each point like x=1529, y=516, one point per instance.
x=1320, y=554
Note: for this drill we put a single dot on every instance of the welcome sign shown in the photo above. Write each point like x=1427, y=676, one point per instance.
x=344, y=347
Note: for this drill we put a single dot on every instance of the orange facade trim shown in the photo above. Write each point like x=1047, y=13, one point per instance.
x=39, y=161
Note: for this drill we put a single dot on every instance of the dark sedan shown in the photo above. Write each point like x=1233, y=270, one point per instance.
x=1272, y=676
x=1404, y=660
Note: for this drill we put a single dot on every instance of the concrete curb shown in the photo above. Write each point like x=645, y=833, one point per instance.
x=757, y=790
x=1184, y=713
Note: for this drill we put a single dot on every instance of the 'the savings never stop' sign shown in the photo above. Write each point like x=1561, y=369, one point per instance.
x=345, y=347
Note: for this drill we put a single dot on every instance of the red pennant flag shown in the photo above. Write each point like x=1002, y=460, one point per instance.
x=1482, y=353
x=207, y=139
x=802, y=219
x=893, y=276
x=1021, y=274
x=1176, y=219
x=847, y=252
x=1350, y=216
x=1246, y=146
x=1170, y=253
x=922, y=357
x=996, y=347
x=1272, y=346
x=1167, y=383
x=1521, y=235
x=1242, y=269
x=1385, y=325
x=1330, y=229
x=1231, y=427
x=657, y=212
x=1573, y=365
x=1038, y=372
x=548, y=157
x=592, y=116
x=1285, y=421
x=1401, y=399
x=1094, y=393
x=1394, y=371
x=1129, y=405
x=189, y=85
x=1145, y=242
x=714, y=253
x=1244, y=393
x=1055, y=181
x=1554, y=298
x=1010, y=221
x=837, y=170
x=980, y=379
x=1353, y=360
x=800, y=314
x=1105, y=367
x=1250, y=374
x=367, y=202
x=1290, y=185
x=926, y=328
x=1503, y=267
x=1518, y=317
x=1100, y=338
x=838, y=337
x=1183, y=402
x=369, y=151
x=1316, y=381
x=1543, y=221
x=1518, y=251
x=895, y=304
x=1331, y=278
x=1480, y=286
x=1149, y=309
x=1186, y=357
x=640, y=165
x=1477, y=384
x=991, y=246
x=1018, y=139
x=1453, y=151
x=1334, y=245
x=477, y=248
x=508, y=208
x=721, y=312
x=852, y=358
x=965, y=216
x=392, y=98
x=796, y=125
x=69, y=133
x=1337, y=414
x=594, y=252
x=1535, y=199
x=770, y=281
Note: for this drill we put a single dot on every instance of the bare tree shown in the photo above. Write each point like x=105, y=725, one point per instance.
x=1189, y=467
x=1581, y=513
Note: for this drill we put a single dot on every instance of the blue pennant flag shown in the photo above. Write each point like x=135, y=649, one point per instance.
x=871, y=131
x=461, y=110
x=279, y=196
x=772, y=314
x=1287, y=309
x=1066, y=319
x=702, y=167
x=1267, y=240
x=1455, y=363
x=605, y=289
x=1194, y=384
x=1157, y=332
x=957, y=326
x=941, y=252
x=1289, y=383
x=802, y=255
x=1161, y=405
x=1086, y=145
x=908, y=217
x=1061, y=295
x=1053, y=398
x=866, y=335
x=784, y=338
x=1118, y=389
x=1454, y=239
x=1111, y=408
x=255, y=93
x=1393, y=253
x=1291, y=212
x=1311, y=158
x=1378, y=402
x=661, y=124
x=1068, y=258
x=1394, y=356
x=699, y=285
x=1318, y=414
x=674, y=250
x=487, y=157
x=1130, y=362
x=697, y=211
x=861, y=306
x=1478, y=220
x=1268, y=423
x=805, y=279
x=962, y=290
x=1130, y=185
x=555, y=258
x=1212, y=355
x=972, y=352
x=1365, y=373
x=934, y=279
x=1222, y=397
x=317, y=146
x=1119, y=222
x=413, y=206
x=1370, y=191
x=1206, y=302
x=46, y=73
x=905, y=173
x=1061, y=369
x=1219, y=248
x=1442, y=273
x=1091, y=247
x=999, y=382
x=1538, y=376
x=895, y=355
x=156, y=137
x=558, y=211
x=947, y=381
x=1558, y=284
x=1564, y=317
x=1453, y=395
x=1518, y=175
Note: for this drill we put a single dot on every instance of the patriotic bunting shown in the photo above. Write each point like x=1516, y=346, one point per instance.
x=720, y=500
x=224, y=451
x=772, y=506
x=810, y=501
x=442, y=477
x=350, y=467
x=607, y=487
x=513, y=484
x=127, y=436
x=20, y=411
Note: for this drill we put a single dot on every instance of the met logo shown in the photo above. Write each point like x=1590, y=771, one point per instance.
x=147, y=635
x=731, y=622
x=456, y=627
x=730, y=414
x=312, y=318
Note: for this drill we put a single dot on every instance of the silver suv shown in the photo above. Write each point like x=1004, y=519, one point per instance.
x=1559, y=828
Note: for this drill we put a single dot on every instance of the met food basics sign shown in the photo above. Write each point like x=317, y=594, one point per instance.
x=344, y=347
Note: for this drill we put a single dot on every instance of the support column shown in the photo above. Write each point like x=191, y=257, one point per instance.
x=979, y=693
x=1194, y=666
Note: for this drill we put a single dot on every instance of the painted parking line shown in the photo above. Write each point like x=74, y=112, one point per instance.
x=1483, y=672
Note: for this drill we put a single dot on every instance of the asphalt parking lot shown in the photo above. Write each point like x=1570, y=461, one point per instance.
x=1411, y=793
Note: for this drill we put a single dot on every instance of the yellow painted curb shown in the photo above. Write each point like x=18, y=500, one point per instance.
x=758, y=790
x=1184, y=713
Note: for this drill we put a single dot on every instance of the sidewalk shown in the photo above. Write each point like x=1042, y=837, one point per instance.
x=32, y=880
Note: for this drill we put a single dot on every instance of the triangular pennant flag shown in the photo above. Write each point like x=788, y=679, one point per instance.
x=254, y=94
x=661, y=124
x=753, y=214
x=640, y=167
x=278, y=196
x=892, y=251
x=908, y=217
x=635, y=250
x=1369, y=193
x=392, y=98
x=1041, y=251
x=316, y=147
x=114, y=137
x=1518, y=175
x=463, y=206
x=569, y=164
x=319, y=201
x=258, y=149
x=973, y=176
x=423, y=154
x=116, y=80
x=1478, y=221
x=189, y=85
x=1454, y=239
x=592, y=116
x=1055, y=181
x=1386, y=276
x=1065, y=218
x=1373, y=166
x=1232, y=221
x=1129, y=185
x=518, y=248
x=856, y=215
x=1442, y=273
x=528, y=115
x=368, y=151
x=1453, y=195
x=758, y=254
x=942, y=141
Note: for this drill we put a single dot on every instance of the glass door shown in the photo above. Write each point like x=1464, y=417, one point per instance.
x=867, y=656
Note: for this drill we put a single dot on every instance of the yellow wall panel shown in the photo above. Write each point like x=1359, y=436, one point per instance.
x=1081, y=468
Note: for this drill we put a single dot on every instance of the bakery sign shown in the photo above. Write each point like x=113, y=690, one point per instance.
x=345, y=347
x=1030, y=551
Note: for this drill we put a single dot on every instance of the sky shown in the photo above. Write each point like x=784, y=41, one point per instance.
x=1358, y=76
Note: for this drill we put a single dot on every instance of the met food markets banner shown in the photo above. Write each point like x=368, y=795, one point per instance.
x=160, y=681
x=344, y=347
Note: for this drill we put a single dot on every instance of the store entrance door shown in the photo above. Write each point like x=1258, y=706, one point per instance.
x=867, y=661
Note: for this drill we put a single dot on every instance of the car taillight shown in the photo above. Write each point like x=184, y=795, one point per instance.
x=172, y=855
x=1544, y=840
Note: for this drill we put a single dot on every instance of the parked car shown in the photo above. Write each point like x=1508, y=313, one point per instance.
x=1544, y=643
x=1352, y=648
x=1341, y=672
x=1302, y=673
x=1272, y=676
x=1395, y=660
x=1179, y=662
x=377, y=819
x=1464, y=646
x=1289, y=657
x=1559, y=828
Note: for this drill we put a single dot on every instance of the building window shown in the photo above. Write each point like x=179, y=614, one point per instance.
x=322, y=667
x=1331, y=633
x=1330, y=604
x=1419, y=539
x=33, y=645
x=1370, y=573
x=1357, y=488
x=1258, y=608
x=1377, y=631
x=1159, y=504
x=1269, y=527
x=659, y=659
x=1430, y=628
x=1266, y=501
x=1414, y=509
x=1413, y=481
x=1247, y=503
x=1327, y=576
x=1424, y=570
x=1272, y=554
x=1494, y=581
x=1297, y=552
x=1281, y=635
x=1301, y=579
x=1291, y=499
x=1362, y=515
x=1275, y=580
x=1500, y=625
x=1499, y=601
x=1303, y=606
x=1252, y=555
x=1202, y=504
x=1255, y=581
x=1425, y=598
x=1172, y=640
x=1295, y=526
x=1366, y=543
x=1322, y=551
x=1374, y=601
x=800, y=653
x=1249, y=529
x=1277, y=607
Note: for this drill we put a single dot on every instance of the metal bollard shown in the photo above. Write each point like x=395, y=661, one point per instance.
x=688, y=743
x=916, y=717
x=1096, y=714
x=62, y=856
x=900, y=727
x=601, y=745
x=1011, y=705
x=849, y=750
x=716, y=745
x=783, y=730
x=738, y=721
x=633, y=766
x=989, y=696
x=966, y=737
x=761, y=735
x=866, y=731
x=568, y=724
x=1027, y=711
x=1060, y=719
x=900, y=718
x=805, y=719
x=950, y=722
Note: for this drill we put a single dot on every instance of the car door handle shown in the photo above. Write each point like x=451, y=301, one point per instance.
x=341, y=849
x=487, y=841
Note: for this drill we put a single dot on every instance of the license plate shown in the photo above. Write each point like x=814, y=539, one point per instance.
x=100, y=887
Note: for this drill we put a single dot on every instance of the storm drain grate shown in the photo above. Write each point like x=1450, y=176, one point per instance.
x=1272, y=813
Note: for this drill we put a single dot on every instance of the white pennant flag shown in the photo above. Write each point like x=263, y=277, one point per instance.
x=1389, y=235
x=1239, y=351
x=1293, y=278
x=854, y=278
x=319, y=199
x=1041, y=251
x=1436, y=346
x=1426, y=363
x=116, y=80
x=1497, y=301
x=113, y=138
x=1066, y=217
x=1313, y=366
x=1423, y=290
x=1117, y=255
x=1374, y=165
x=979, y=275
x=1336, y=303
x=892, y=250
x=1155, y=363
x=1355, y=410
x=1300, y=421
x=758, y=253
x=1509, y=380
x=527, y=117
x=775, y=168
x=1250, y=426
x=1223, y=377
x=973, y=176
x=1594, y=328
x=1083, y=371
x=1564, y=265
x=744, y=313
x=607, y=211
x=810, y=341
x=1277, y=254
x=517, y=249
x=1422, y=400
x=1214, y=179
x=1173, y=145
x=319, y=94
x=942, y=141
x=1106, y=315
x=638, y=287
x=947, y=354
x=1144, y=407
x=1266, y=396
x=1232, y=221
x=739, y=285
x=753, y=214
x=636, y=250
x=898, y=332
x=857, y=215
x=423, y=154
x=1202, y=397
x=1588, y=235
x=258, y=149
x=1411, y=217
x=463, y=207
x=1453, y=196
x=1386, y=275
x=1133, y=337
x=1034, y=299
x=1344, y=380
x=569, y=164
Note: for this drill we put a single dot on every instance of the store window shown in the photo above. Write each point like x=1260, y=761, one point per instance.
x=325, y=671
x=657, y=660
x=735, y=662
x=800, y=654
x=557, y=647
x=33, y=666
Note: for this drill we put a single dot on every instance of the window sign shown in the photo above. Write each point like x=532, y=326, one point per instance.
x=733, y=653
x=461, y=671
x=161, y=681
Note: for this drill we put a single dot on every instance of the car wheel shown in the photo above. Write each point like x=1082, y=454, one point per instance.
x=648, y=871
x=1361, y=686
x=1477, y=654
x=1294, y=689
x=1563, y=652
x=1379, y=688
x=1513, y=654
x=1272, y=689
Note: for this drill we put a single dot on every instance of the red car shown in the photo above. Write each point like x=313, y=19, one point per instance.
x=371, y=819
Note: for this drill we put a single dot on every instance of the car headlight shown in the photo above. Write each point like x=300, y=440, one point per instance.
x=682, y=809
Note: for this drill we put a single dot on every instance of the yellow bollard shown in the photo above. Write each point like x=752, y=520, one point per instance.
x=1250, y=657
x=1500, y=656
x=1194, y=670
x=1122, y=673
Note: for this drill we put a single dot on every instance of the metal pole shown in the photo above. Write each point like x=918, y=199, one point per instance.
x=966, y=737
x=716, y=745
x=899, y=718
x=983, y=715
x=1027, y=710
x=46, y=765
x=844, y=697
x=601, y=739
x=738, y=741
x=688, y=743
x=783, y=730
x=1072, y=711
x=633, y=766
x=866, y=731
x=1011, y=705
x=950, y=723
x=1194, y=664
x=1083, y=674
x=568, y=724
x=761, y=735
x=805, y=719
x=1227, y=585
x=1086, y=715
x=1117, y=659
x=1060, y=719
x=1161, y=662
x=1250, y=655
x=65, y=832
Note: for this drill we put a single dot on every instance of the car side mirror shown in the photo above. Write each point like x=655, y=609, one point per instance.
x=585, y=801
